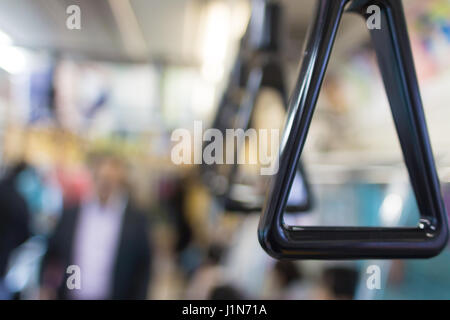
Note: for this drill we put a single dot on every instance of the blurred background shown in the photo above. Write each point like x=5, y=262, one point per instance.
x=86, y=118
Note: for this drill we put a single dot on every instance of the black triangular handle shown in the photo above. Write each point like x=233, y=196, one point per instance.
x=395, y=59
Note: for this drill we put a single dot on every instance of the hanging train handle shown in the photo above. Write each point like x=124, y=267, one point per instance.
x=264, y=71
x=268, y=74
x=396, y=64
x=225, y=109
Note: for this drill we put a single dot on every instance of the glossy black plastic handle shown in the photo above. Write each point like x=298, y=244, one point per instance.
x=267, y=73
x=393, y=50
x=258, y=66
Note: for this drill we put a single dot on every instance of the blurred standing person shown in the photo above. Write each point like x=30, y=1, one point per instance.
x=14, y=220
x=338, y=283
x=287, y=282
x=105, y=237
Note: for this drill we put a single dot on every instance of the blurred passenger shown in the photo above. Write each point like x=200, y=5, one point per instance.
x=173, y=191
x=288, y=282
x=106, y=237
x=225, y=292
x=208, y=276
x=173, y=195
x=339, y=283
x=14, y=220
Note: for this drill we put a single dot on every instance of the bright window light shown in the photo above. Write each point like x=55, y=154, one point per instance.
x=13, y=59
x=5, y=39
x=215, y=40
x=391, y=209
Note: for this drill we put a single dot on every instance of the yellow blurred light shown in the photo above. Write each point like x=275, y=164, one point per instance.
x=215, y=40
x=241, y=16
